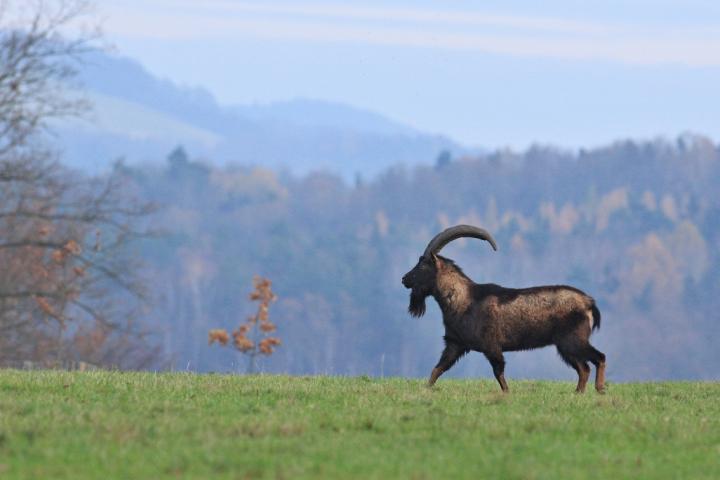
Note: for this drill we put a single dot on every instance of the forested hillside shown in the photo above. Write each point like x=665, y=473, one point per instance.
x=636, y=225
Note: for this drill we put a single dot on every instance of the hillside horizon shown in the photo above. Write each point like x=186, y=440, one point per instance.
x=141, y=118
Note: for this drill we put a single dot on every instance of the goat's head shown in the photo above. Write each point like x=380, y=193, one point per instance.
x=421, y=282
x=422, y=279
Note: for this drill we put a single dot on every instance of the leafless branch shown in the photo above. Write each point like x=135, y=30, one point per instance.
x=63, y=237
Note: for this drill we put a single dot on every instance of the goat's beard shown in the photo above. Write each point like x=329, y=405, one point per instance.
x=417, y=303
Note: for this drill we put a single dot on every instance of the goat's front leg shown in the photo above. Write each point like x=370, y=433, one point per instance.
x=449, y=356
x=497, y=361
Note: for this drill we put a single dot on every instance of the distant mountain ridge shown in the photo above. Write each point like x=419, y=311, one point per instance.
x=323, y=114
x=141, y=118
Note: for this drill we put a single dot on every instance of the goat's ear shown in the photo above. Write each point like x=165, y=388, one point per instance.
x=437, y=261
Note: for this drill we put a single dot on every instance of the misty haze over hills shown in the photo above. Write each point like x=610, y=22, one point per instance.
x=141, y=118
x=634, y=223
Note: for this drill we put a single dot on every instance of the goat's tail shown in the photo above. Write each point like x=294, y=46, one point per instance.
x=595, y=316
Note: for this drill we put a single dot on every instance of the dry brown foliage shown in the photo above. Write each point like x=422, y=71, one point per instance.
x=218, y=335
x=257, y=326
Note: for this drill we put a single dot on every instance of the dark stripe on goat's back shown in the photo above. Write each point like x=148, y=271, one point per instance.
x=506, y=295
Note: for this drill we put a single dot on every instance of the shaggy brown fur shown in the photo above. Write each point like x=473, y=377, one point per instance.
x=492, y=319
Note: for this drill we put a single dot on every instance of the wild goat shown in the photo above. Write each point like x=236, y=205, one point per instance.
x=491, y=319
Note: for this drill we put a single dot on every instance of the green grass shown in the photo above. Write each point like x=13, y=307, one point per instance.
x=143, y=425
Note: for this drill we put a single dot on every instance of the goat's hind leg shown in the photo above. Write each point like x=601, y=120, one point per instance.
x=580, y=366
x=598, y=359
x=450, y=355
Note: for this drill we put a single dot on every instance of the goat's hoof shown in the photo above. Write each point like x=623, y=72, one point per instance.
x=601, y=390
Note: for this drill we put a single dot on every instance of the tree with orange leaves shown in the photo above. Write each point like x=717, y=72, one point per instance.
x=257, y=326
x=65, y=267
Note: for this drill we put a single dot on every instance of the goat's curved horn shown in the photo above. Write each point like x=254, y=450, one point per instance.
x=458, y=231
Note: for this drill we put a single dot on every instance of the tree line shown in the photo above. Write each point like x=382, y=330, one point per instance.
x=634, y=223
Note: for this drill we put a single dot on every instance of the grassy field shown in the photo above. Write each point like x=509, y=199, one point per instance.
x=143, y=425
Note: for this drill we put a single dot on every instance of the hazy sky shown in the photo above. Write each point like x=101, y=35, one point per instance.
x=486, y=73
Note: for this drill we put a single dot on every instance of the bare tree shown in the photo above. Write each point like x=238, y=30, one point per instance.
x=37, y=64
x=68, y=287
